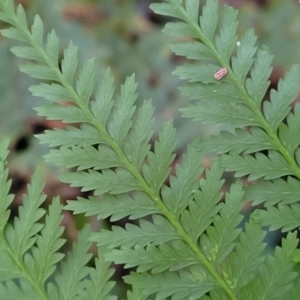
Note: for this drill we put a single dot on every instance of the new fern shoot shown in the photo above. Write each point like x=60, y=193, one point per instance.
x=187, y=241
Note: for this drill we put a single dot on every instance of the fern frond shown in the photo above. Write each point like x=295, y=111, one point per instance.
x=284, y=217
x=118, y=160
x=35, y=267
x=250, y=90
x=29, y=250
x=237, y=99
x=121, y=132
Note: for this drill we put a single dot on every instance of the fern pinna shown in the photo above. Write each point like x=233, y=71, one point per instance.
x=192, y=247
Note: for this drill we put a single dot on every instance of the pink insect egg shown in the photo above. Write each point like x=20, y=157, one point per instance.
x=220, y=74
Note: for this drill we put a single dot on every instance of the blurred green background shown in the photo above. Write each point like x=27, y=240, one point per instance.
x=126, y=36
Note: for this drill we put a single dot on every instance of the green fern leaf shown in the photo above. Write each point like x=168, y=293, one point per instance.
x=198, y=217
x=120, y=140
x=136, y=147
x=69, y=63
x=270, y=167
x=74, y=269
x=279, y=106
x=86, y=80
x=192, y=50
x=179, y=194
x=99, y=285
x=21, y=236
x=237, y=116
x=160, y=231
x=289, y=133
x=52, y=47
x=44, y=255
x=53, y=92
x=186, y=285
x=119, y=124
x=216, y=105
x=243, y=263
x=243, y=61
x=38, y=71
x=120, y=181
x=220, y=238
x=273, y=192
x=209, y=19
x=286, y=217
x=258, y=84
x=117, y=207
x=224, y=92
x=69, y=113
x=174, y=257
x=240, y=141
x=85, y=157
x=85, y=135
x=102, y=105
x=158, y=168
x=226, y=40
x=29, y=250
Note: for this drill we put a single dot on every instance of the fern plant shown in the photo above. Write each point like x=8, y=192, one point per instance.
x=187, y=244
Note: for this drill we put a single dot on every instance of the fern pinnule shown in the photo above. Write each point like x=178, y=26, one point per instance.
x=99, y=286
x=242, y=263
x=273, y=192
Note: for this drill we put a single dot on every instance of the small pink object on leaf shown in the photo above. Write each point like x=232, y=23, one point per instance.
x=220, y=74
